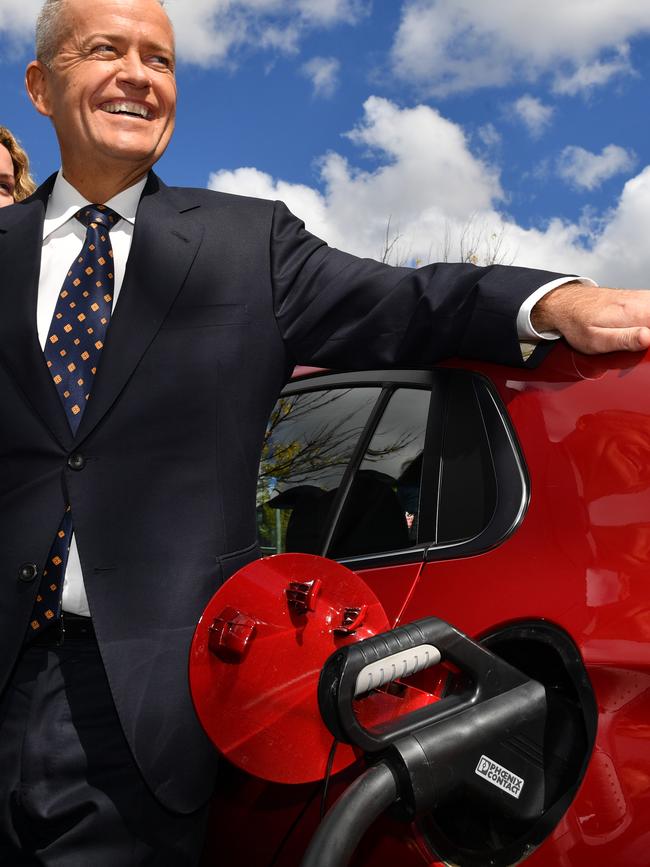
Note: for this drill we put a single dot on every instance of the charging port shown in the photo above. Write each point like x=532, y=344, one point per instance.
x=470, y=833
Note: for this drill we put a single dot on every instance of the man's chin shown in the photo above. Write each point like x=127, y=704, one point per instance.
x=131, y=147
x=124, y=154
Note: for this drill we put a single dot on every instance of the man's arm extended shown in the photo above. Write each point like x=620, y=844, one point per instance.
x=596, y=319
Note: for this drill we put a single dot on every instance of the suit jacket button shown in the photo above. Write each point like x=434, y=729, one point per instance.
x=76, y=461
x=27, y=572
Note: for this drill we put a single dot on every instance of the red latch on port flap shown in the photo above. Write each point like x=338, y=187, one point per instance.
x=231, y=633
x=302, y=595
x=352, y=620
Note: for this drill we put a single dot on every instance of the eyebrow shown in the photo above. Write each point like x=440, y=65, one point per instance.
x=120, y=37
x=5, y=177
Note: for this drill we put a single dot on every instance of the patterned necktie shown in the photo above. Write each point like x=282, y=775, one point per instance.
x=72, y=351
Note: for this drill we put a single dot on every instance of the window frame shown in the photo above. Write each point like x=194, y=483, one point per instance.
x=511, y=476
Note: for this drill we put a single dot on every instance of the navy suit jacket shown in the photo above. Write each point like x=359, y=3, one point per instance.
x=222, y=296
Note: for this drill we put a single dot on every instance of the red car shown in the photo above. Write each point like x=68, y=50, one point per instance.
x=514, y=505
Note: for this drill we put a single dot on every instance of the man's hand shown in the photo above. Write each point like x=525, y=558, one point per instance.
x=594, y=319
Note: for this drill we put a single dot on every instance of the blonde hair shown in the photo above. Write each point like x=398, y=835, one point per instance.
x=24, y=182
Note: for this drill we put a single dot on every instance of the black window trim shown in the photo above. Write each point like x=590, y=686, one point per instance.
x=336, y=510
x=512, y=480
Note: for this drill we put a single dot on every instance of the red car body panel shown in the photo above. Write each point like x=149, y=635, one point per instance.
x=579, y=559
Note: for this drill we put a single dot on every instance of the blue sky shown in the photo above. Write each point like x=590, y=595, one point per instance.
x=454, y=125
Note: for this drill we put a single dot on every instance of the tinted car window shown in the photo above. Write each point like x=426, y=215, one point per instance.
x=382, y=508
x=408, y=461
x=467, y=498
x=309, y=442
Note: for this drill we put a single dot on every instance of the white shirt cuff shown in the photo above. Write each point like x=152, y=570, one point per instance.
x=525, y=330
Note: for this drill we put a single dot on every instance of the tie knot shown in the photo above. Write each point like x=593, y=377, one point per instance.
x=97, y=215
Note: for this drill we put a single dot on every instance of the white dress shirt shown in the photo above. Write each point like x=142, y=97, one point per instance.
x=63, y=238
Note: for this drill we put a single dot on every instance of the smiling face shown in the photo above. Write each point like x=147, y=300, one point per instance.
x=110, y=90
x=7, y=183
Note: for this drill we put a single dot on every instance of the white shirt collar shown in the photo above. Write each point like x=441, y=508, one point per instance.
x=65, y=201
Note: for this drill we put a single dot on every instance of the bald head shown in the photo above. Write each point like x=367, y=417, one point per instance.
x=51, y=27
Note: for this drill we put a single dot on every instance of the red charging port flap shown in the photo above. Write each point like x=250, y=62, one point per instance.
x=257, y=656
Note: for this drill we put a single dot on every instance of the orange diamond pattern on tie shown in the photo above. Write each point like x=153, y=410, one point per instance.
x=47, y=607
x=83, y=309
x=82, y=314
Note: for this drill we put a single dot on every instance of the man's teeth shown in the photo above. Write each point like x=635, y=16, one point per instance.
x=126, y=108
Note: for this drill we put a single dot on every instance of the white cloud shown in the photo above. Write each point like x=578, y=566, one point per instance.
x=323, y=73
x=333, y=11
x=612, y=249
x=427, y=176
x=533, y=113
x=17, y=19
x=595, y=74
x=588, y=171
x=447, y=46
x=434, y=191
x=19, y=16
x=489, y=135
x=620, y=252
x=210, y=32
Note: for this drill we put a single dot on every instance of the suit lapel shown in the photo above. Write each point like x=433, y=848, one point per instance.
x=21, y=242
x=165, y=242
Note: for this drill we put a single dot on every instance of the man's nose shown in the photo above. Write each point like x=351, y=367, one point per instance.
x=133, y=71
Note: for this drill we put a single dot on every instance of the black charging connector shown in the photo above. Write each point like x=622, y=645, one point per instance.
x=485, y=740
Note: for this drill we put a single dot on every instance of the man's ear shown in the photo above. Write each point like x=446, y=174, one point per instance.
x=36, y=82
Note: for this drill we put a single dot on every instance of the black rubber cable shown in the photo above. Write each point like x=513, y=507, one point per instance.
x=326, y=781
x=339, y=833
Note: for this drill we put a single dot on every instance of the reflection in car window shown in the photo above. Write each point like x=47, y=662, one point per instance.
x=382, y=508
x=399, y=498
x=309, y=442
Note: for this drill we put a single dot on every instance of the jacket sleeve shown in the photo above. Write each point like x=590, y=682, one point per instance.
x=337, y=310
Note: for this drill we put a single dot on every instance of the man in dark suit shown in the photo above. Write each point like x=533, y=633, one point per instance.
x=145, y=334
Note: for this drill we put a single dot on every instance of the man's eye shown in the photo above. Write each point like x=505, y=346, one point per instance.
x=104, y=49
x=160, y=60
x=7, y=188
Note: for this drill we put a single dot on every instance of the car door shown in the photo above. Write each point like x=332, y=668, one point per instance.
x=383, y=471
x=417, y=481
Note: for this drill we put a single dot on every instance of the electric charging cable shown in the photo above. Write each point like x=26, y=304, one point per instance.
x=339, y=833
x=485, y=739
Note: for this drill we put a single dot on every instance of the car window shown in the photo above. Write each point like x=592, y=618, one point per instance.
x=309, y=441
x=382, y=508
x=400, y=463
x=467, y=497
